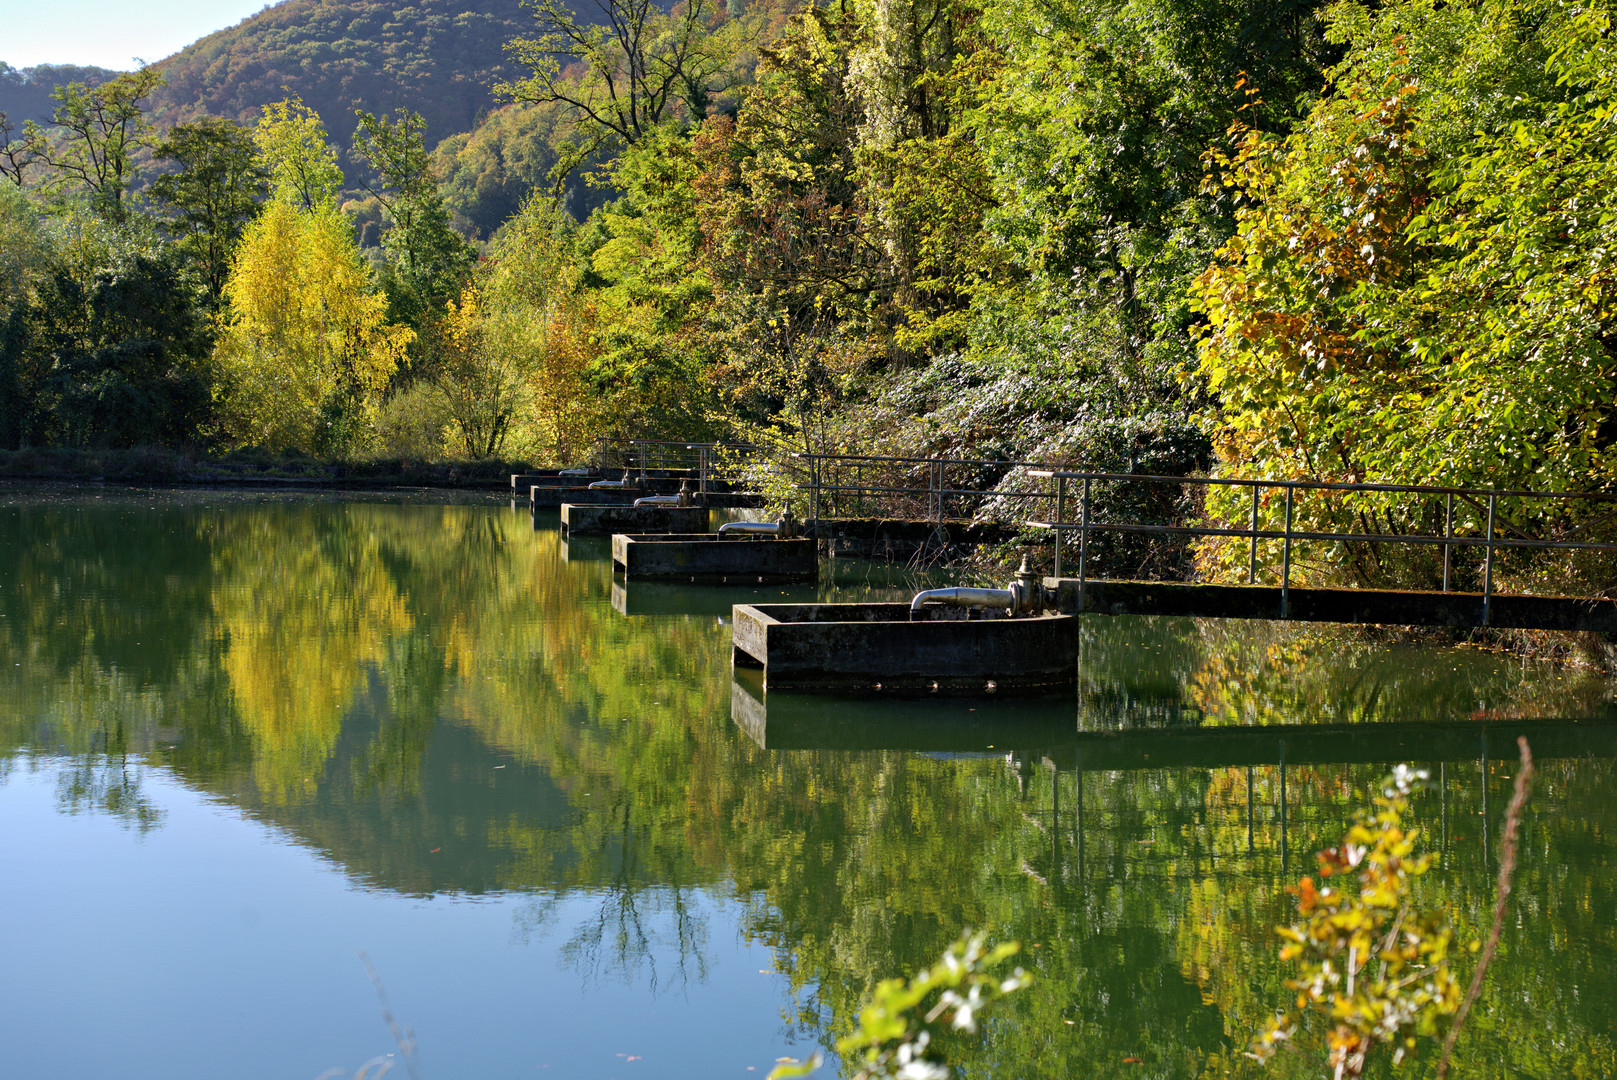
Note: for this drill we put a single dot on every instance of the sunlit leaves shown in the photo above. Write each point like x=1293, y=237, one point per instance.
x=897, y=1026
x=304, y=343
x=1372, y=968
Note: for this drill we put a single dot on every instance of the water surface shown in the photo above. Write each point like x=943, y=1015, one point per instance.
x=244, y=739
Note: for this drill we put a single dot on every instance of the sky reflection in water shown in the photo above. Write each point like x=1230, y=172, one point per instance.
x=244, y=738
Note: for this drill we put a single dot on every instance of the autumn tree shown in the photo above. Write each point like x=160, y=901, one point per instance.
x=305, y=344
x=1419, y=290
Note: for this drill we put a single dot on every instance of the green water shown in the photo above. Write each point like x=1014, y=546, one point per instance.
x=244, y=739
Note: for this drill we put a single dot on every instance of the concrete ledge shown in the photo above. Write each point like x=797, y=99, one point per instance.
x=594, y=520
x=554, y=498
x=708, y=558
x=875, y=649
x=1384, y=606
x=522, y=483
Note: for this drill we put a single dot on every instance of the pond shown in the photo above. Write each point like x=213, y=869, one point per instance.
x=275, y=769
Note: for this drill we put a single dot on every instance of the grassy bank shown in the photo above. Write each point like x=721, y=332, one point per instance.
x=250, y=468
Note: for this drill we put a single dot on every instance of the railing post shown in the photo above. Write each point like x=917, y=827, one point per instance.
x=1061, y=513
x=1252, y=563
x=1083, y=545
x=1285, y=560
x=814, y=487
x=1487, y=571
x=1448, y=534
x=702, y=465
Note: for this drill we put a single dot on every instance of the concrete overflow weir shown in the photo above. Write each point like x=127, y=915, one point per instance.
x=877, y=648
x=710, y=558
x=1367, y=606
x=587, y=520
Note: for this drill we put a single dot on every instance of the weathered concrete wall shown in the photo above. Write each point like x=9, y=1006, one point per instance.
x=588, y=520
x=874, y=648
x=1384, y=606
x=708, y=558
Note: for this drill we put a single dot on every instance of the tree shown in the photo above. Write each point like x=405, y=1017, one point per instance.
x=97, y=131
x=292, y=146
x=102, y=344
x=217, y=189
x=483, y=383
x=624, y=79
x=430, y=258
x=1420, y=288
x=17, y=156
x=305, y=344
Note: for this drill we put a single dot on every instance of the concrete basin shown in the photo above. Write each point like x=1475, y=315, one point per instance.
x=583, y=520
x=876, y=649
x=707, y=558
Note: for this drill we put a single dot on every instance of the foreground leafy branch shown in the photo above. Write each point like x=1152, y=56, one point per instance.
x=897, y=1028
x=1372, y=965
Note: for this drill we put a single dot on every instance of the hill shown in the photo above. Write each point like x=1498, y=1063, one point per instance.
x=438, y=57
x=25, y=93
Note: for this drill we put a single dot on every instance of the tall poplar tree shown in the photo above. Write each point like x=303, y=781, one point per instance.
x=305, y=342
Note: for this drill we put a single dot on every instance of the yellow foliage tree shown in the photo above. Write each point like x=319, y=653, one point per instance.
x=305, y=346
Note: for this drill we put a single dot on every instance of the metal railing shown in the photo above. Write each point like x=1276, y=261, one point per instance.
x=1461, y=521
x=708, y=463
x=920, y=488
x=1482, y=532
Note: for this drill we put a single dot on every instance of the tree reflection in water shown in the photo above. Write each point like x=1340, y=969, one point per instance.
x=431, y=697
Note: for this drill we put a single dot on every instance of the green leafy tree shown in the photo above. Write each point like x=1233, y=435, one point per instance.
x=102, y=344
x=93, y=137
x=1418, y=288
x=218, y=187
x=293, y=148
x=429, y=257
x=622, y=79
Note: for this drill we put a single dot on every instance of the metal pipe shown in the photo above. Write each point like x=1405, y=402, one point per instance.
x=610, y=485
x=750, y=528
x=1252, y=562
x=685, y=497
x=1285, y=564
x=964, y=597
x=1083, y=543
x=783, y=527
x=1061, y=512
x=1024, y=596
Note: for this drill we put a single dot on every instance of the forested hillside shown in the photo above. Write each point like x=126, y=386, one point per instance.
x=1343, y=242
x=438, y=57
x=25, y=93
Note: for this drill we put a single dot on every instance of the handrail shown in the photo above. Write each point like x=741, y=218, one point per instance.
x=1327, y=485
x=837, y=486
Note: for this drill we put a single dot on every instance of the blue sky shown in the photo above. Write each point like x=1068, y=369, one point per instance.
x=110, y=33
